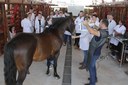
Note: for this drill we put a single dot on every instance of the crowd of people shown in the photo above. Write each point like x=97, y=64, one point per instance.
x=91, y=34
x=37, y=24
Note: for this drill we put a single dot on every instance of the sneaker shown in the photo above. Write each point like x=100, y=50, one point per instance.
x=96, y=79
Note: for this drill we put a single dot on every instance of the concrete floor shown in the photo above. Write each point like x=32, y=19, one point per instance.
x=109, y=72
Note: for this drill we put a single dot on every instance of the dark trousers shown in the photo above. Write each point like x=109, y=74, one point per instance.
x=67, y=39
x=117, y=48
x=85, y=56
x=77, y=40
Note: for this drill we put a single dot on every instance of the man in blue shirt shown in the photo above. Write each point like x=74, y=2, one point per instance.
x=95, y=47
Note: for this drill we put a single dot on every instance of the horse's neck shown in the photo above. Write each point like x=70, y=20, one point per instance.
x=61, y=30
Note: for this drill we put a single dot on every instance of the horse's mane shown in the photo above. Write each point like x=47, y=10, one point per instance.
x=57, y=22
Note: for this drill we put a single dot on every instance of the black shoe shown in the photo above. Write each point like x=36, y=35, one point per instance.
x=82, y=67
x=28, y=72
x=126, y=72
x=96, y=79
x=81, y=63
x=87, y=84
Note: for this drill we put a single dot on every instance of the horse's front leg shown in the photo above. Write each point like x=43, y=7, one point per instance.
x=55, y=66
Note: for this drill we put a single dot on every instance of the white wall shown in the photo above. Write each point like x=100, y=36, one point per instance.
x=75, y=9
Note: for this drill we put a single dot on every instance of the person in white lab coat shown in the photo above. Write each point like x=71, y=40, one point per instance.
x=85, y=38
x=12, y=32
x=32, y=17
x=26, y=24
x=112, y=24
x=119, y=30
x=95, y=13
x=39, y=23
x=51, y=14
x=56, y=14
x=78, y=22
x=67, y=33
x=61, y=14
x=94, y=23
x=49, y=20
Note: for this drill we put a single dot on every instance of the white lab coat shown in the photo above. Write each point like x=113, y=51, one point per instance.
x=119, y=29
x=97, y=23
x=67, y=33
x=78, y=22
x=27, y=25
x=98, y=19
x=38, y=27
x=61, y=15
x=55, y=16
x=111, y=26
x=85, y=39
x=33, y=19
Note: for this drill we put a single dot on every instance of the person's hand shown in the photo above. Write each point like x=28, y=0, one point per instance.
x=73, y=37
x=85, y=23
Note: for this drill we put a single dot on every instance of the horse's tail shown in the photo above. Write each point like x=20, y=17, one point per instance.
x=10, y=69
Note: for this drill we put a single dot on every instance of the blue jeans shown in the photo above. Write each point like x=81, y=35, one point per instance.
x=85, y=56
x=92, y=66
x=67, y=39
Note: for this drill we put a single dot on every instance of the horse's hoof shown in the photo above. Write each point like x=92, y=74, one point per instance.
x=28, y=72
x=57, y=76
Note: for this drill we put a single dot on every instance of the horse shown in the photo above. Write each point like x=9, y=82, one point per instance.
x=24, y=48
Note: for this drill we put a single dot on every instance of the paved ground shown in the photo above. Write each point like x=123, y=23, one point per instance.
x=109, y=72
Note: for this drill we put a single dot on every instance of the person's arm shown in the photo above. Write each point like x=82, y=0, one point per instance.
x=91, y=30
x=80, y=36
x=120, y=33
x=73, y=37
x=117, y=33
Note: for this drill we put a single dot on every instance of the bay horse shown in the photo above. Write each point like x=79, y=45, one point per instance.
x=24, y=48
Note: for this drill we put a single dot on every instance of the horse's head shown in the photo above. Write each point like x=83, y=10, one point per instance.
x=66, y=22
x=70, y=26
